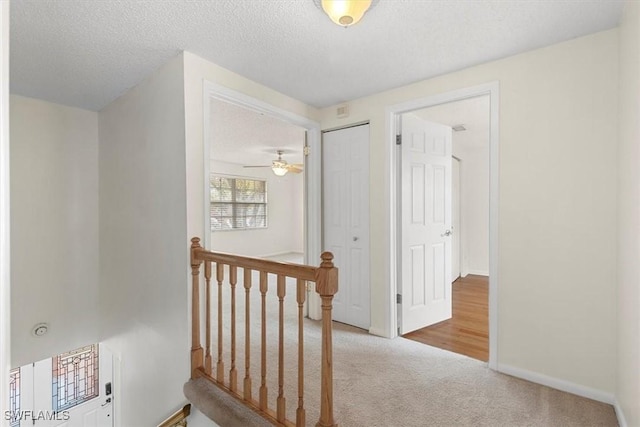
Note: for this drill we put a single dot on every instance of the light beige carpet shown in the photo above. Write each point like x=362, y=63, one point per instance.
x=388, y=383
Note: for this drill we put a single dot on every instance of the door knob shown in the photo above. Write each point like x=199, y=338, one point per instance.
x=446, y=233
x=355, y=239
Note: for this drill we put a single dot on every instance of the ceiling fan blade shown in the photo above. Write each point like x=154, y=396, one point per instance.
x=265, y=166
x=294, y=168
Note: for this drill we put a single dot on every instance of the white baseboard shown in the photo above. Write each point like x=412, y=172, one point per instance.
x=378, y=332
x=478, y=273
x=558, y=384
x=622, y=421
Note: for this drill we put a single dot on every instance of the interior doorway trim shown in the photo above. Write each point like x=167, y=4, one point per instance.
x=312, y=170
x=392, y=114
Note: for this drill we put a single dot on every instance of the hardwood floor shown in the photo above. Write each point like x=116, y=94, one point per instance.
x=467, y=332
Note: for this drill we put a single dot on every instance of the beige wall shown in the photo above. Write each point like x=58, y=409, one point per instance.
x=54, y=228
x=474, y=198
x=628, y=390
x=558, y=135
x=143, y=238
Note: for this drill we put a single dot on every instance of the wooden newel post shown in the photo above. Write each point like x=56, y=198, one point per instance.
x=196, y=348
x=327, y=287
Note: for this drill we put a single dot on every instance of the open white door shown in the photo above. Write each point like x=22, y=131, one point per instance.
x=426, y=174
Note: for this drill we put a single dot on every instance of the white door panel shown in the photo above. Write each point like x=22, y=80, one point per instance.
x=426, y=223
x=345, y=159
x=36, y=389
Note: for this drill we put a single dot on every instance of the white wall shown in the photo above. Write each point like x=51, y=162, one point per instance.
x=284, y=231
x=5, y=257
x=628, y=387
x=54, y=228
x=474, y=203
x=558, y=133
x=143, y=245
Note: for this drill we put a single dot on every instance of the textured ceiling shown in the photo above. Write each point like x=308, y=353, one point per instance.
x=246, y=137
x=87, y=53
x=473, y=113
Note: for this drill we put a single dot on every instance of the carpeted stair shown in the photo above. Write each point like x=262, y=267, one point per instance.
x=220, y=406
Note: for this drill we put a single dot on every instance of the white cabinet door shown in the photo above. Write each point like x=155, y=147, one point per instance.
x=426, y=223
x=345, y=183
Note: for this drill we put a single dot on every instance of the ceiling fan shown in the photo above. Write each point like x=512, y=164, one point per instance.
x=281, y=167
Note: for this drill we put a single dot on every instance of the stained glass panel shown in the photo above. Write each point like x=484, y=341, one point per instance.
x=75, y=377
x=14, y=396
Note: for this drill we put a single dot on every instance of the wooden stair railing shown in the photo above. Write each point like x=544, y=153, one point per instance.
x=178, y=418
x=326, y=279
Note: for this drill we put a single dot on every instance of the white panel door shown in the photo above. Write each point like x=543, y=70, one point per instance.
x=345, y=169
x=425, y=274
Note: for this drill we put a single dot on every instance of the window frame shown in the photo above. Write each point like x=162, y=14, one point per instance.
x=234, y=203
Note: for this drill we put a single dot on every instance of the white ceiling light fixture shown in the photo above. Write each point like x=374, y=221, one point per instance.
x=279, y=167
x=345, y=12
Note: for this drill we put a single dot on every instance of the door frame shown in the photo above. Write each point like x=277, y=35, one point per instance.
x=312, y=171
x=392, y=116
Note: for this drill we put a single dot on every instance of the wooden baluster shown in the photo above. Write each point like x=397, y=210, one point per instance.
x=247, y=334
x=233, y=372
x=327, y=287
x=301, y=287
x=281, y=407
x=220, y=365
x=196, y=348
x=207, y=277
x=263, y=372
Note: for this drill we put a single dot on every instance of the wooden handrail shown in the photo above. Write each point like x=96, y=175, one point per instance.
x=304, y=272
x=178, y=418
x=326, y=279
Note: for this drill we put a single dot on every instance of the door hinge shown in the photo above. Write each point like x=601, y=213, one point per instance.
x=398, y=299
x=398, y=139
x=307, y=150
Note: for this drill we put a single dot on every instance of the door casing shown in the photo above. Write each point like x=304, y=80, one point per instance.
x=392, y=114
x=312, y=171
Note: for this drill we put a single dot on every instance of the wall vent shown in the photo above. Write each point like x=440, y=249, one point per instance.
x=342, y=111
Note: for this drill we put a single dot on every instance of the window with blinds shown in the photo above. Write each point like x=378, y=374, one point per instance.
x=237, y=203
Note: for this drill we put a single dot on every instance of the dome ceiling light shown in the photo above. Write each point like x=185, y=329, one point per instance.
x=345, y=12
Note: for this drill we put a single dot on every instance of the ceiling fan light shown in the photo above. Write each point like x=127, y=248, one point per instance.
x=279, y=170
x=346, y=12
x=279, y=167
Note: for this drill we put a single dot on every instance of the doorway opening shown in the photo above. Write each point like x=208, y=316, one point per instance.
x=473, y=147
x=256, y=184
x=261, y=181
x=465, y=328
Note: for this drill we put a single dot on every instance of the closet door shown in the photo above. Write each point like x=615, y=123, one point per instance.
x=345, y=183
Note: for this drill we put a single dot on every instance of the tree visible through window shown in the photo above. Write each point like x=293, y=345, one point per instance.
x=237, y=203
